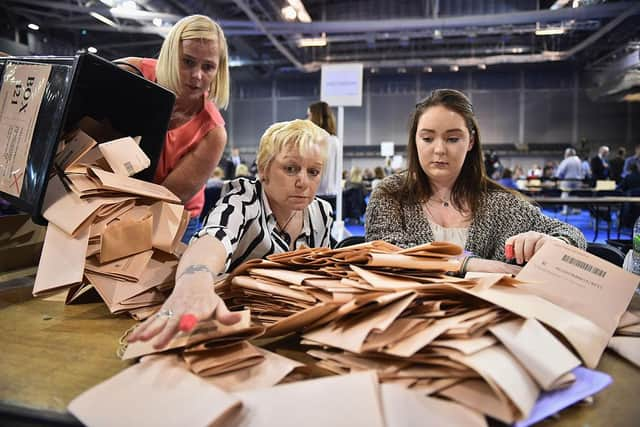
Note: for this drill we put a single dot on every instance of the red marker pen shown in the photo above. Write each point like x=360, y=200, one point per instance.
x=508, y=251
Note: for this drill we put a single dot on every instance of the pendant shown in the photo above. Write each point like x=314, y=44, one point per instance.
x=445, y=204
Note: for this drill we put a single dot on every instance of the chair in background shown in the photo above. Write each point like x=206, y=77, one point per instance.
x=211, y=196
x=596, y=211
x=350, y=241
x=552, y=192
x=606, y=252
x=629, y=212
x=353, y=204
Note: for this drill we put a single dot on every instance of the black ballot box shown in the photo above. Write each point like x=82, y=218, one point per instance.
x=43, y=97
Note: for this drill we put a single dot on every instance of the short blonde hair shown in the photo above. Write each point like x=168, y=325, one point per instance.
x=355, y=175
x=299, y=134
x=242, y=170
x=168, y=67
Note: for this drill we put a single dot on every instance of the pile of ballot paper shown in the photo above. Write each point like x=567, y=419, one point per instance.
x=492, y=343
x=168, y=394
x=109, y=232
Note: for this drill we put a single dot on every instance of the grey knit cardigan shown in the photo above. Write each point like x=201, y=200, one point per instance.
x=500, y=216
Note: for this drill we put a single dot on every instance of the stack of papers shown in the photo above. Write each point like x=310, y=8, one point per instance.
x=493, y=343
x=167, y=394
x=109, y=232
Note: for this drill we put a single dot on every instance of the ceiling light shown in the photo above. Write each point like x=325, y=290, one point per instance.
x=289, y=13
x=294, y=10
x=437, y=34
x=303, y=16
x=559, y=4
x=632, y=97
x=427, y=69
x=92, y=49
x=517, y=50
x=157, y=22
x=373, y=70
x=103, y=19
x=402, y=70
x=482, y=66
x=129, y=4
x=550, y=31
x=313, y=41
x=34, y=27
x=454, y=68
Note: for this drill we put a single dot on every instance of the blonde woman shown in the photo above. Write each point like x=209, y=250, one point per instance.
x=193, y=63
x=254, y=218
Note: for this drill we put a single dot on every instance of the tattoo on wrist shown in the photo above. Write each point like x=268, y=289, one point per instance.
x=196, y=268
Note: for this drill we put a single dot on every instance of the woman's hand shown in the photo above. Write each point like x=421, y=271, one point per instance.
x=526, y=244
x=193, y=294
x=491, y=266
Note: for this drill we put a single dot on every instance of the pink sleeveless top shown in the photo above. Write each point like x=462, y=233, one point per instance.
x=183, y=139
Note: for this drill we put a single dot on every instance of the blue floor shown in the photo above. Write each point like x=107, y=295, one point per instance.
x=580, y=219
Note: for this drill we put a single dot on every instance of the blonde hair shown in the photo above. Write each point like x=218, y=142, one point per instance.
x=355, y=175
x=168, y=67
x=242, y=170
x=217, y=173
x=299, y=134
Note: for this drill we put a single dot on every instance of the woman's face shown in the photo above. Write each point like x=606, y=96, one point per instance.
x=291, y=180
x=442, y=141
x=199, y=60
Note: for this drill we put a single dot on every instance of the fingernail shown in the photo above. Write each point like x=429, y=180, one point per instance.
x=188, y=322
x=508, y=251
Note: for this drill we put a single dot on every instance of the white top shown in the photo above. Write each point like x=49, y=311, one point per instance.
x=449, y=234
x=331, y=176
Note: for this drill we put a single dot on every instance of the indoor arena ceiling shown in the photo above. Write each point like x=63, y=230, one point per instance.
x=396, y=35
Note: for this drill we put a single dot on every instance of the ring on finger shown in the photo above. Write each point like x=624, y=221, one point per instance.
x=164, y=314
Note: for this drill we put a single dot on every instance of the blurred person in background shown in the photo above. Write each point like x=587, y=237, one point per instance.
x=507, y=179
x=322, y=115
x=616, y=165
x=600, y=165
x=379, y=175
x=570, y=174
x=242, y=170
x=217, y=178
x=632, y=180
x=631, y=160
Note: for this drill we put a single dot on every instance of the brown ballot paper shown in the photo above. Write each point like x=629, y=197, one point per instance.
x=581, y=283
x=270, y=372
x=159, y=391
x=340, y=401
x=525, y=339
x=124, y=155
x=627, y=347
x=55, y=271
x=407, y=408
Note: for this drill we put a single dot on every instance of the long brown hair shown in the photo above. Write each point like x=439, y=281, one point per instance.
x=322, y=115
x=473, y=181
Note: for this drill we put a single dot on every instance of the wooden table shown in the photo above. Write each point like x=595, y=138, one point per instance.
x=51, y=353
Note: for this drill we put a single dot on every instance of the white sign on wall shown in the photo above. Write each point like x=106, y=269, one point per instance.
x=341, y=84
x=387, y=148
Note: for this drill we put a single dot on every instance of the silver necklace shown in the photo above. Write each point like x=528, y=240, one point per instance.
x=445, y=203
x=284, y=227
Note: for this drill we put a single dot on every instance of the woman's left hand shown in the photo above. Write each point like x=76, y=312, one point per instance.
x=527, y=244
